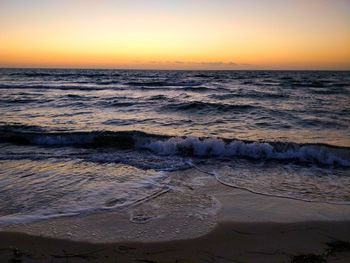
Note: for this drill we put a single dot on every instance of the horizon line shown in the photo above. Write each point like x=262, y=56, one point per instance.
x=159, y=69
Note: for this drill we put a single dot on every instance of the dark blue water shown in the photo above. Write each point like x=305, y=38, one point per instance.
x=77, y=138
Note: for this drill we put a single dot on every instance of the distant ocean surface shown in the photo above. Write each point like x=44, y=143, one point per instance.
x=78, y=141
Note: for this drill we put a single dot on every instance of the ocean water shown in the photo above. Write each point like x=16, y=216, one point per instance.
x=79, y=141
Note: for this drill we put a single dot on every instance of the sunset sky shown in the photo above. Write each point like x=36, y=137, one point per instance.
x=182, y=34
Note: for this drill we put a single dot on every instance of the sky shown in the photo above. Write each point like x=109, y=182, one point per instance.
x=164, y=34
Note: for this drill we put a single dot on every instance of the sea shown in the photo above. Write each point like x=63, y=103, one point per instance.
x=76, y=142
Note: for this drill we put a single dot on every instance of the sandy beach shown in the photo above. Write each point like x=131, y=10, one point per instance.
x=237, y=226
x=228, y=242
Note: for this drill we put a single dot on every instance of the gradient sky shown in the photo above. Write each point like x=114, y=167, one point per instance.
x=164, y=34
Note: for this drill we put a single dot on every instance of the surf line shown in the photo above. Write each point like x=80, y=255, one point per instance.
x=165, y=189
x=151, y=196
x=216, y=176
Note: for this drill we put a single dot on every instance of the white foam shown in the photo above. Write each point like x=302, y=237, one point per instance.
x=257, y=150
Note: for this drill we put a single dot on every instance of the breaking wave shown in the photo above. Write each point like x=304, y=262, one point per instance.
x=322, y=154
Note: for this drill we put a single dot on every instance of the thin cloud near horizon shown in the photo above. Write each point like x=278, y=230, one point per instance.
x=203, y=63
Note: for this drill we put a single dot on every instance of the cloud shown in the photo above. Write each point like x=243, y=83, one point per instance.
x=202, y=63
x=185, y=64
x=216, y=63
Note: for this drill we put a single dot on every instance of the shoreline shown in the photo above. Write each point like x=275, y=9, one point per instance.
x=183, y=214
x=201, y=221
x=227, y=242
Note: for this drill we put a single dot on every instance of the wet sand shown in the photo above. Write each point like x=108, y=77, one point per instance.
x=228, y=242
x=201, y=221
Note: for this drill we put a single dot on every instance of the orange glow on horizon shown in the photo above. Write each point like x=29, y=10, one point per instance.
x=163, y=36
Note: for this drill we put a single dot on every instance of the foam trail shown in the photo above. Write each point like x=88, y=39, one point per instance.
x=216, y=176
x=18, y=219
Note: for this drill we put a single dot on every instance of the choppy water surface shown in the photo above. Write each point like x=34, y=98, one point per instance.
x=86, y=140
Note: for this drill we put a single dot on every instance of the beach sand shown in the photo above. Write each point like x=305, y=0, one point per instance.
x=201, y=221
x=228, y=242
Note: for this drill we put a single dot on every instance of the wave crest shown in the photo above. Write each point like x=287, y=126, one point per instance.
x=308, y=153
x=183, y=146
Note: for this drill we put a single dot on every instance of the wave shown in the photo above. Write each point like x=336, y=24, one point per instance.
x=202, y=106
x=159, y=97
x=54, y=87
x=116, y=103
x=64, y=73
x=21, y=100
x=322, y=154
x=252, y=94
x=107, y=82
x=163, y=83
x=284, y=151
